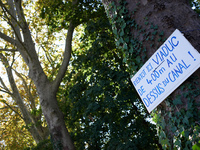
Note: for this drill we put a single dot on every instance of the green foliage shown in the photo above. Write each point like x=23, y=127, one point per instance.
x=102, y=108
x=59, y=13
x=43, y=145
x=196, y=146
x=195, y=4
x=183, y=123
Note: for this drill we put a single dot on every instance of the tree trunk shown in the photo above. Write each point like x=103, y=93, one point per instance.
x=154, y=19
x=59, y=135
x=47, y=93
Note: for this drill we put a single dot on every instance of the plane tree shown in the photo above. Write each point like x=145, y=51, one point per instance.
x=24, y=36
x=20, y=40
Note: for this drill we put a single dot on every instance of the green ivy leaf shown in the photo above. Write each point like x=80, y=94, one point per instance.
x=131, y=50
x=125, y=47
x=122, y=33
x=138, y=59
x=123, y=26
x=177, y=101
x=196, y=146
x=115, y=31
x=124, y=60
x=186, y=121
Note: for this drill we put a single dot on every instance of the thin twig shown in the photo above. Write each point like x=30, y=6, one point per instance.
x=9, y=50
x=12, y=109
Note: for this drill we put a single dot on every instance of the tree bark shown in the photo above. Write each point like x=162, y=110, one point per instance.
x=167, y=15
x=47, y=93
x=55, y=120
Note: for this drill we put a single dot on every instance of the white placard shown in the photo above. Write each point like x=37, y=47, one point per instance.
x=167, y=68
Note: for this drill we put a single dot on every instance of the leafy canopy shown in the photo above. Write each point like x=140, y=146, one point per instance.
x=102, y=109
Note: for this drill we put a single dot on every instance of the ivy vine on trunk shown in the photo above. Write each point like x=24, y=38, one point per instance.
x=140, y=27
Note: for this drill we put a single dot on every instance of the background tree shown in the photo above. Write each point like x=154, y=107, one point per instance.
x=105, y=112
x=19, y=87
x=13, y=135
x=140, y=28
x=21, y=41
x=42, y=39
x=26, y=99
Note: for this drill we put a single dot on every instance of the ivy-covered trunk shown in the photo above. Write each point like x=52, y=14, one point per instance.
x=141, y=27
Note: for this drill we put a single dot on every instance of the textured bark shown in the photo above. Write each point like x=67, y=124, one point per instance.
x=168, y=15
x=54, y=117
x=47, y=93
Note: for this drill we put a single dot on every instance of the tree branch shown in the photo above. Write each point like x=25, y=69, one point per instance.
x=15, y=18
x=22, y=49
x=4, y=91
x=22, y=19
x=12, y=109
x=4, y=87
x=14, y=22
x=33, y=61
x=28, y=119
x=9, y=50
x=6, y=107
x=48, y=56
x=8, y=11
x=10, y=40
x=26, y=89
x=16, y=95
x=67, y=55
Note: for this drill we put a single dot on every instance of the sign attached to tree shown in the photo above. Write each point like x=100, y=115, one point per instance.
x=167, y=68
